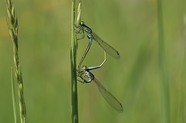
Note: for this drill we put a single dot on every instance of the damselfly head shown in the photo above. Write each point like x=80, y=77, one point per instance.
x=82, y=23
x=84, y=68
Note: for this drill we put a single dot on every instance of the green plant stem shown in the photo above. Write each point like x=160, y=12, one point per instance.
x=73, y=51
x=13, y=96
x=163, y=73
x=13, y=31
x=181, y=105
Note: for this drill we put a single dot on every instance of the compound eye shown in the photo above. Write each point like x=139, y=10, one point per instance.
x=84, y=67
x=81, y=23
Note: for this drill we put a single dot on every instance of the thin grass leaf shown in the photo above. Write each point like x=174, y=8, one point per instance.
x=13, y=96
x=162, y=66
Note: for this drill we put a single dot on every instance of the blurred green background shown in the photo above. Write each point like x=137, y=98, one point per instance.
x=129, y=26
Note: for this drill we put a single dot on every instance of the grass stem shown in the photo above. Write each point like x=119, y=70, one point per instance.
x=163, y=73
x=73, y=52
x=13, y=96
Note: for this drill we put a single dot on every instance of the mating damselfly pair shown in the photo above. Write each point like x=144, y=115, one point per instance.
x=84, y=72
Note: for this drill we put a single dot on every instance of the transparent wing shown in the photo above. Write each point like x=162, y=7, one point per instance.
x=109, y=49
x=109, y=97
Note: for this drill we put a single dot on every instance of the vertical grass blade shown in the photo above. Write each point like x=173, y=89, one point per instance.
x=13, y=96
x=163, y=73
x=181, y=107
x=79, y=12
x=73, y=50
x=13, y=31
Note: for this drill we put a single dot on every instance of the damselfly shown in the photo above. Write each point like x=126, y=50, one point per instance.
x=93, y=36
x=87, y=77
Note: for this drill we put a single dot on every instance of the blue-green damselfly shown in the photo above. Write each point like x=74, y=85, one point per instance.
x=93, y=36
x=87, y=77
